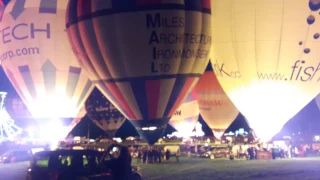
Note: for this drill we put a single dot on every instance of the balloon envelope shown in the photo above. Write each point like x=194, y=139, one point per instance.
x=216, y=108
x=186, y=116
x=103, y=113
x=144, y=56
x=37, y=58
x=265, y=55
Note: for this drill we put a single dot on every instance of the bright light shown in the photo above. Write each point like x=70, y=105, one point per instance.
x=267, y=105
x=58, y=105
x=53, y=132
x=317, y=138
x=149, y=128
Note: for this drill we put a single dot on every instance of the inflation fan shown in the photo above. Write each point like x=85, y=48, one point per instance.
x=7, y=127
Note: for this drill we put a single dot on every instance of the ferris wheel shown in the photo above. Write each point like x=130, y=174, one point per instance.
x=7, y=127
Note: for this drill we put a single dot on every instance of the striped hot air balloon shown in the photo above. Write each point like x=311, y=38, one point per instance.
x=216, y=108
x=143, y=55
x=266, y=58
x=38, y=60
x=186, y=116
x=103, y=113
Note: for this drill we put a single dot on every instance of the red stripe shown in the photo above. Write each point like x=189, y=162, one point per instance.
x=153, y=93
x=141, y=2
x=183, y=93
x=113, y=88
x=206, y=4
x=84, y=7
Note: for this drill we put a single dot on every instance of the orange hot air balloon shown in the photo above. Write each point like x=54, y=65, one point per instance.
x=38, y=60
x=216, y=108
x=143, y=55
x=186, y=116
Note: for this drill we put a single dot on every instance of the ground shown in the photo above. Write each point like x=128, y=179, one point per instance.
x=206, y=169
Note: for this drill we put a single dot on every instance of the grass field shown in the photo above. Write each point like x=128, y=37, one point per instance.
x=206, y=169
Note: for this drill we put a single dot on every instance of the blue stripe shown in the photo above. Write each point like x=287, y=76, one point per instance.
x=209, y=66
x=48, y=6
x=84, y=92
x=139, y=90
x=49, y=77
x=72, y=11
x=18, y=9
x=178, y=85
x=123, y=5
x=27, y=78
x=73, y=79
x=72, y=19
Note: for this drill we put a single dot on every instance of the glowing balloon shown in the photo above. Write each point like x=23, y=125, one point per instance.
x=38, y=59
x=266, y=58
x=103, y=113
x=144, y=55
x=186, y=116
x=216, y=108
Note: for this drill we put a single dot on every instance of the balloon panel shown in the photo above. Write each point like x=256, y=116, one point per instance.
x=266, y=59
x=216, y=108
x=38, y=60
x=144, y=55
x=103, y=113
x=186, y=116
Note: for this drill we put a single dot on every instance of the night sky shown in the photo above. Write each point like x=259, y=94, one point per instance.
x=307, y=120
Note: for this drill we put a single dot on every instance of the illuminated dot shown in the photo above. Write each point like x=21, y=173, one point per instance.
x=316, y=35
x=306, y=50
x=311, y=19
x=300, y=43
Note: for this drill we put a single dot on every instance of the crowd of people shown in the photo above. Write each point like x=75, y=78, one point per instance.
x=154, y=155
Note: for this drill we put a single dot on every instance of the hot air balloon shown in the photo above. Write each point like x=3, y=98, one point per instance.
x=266, y=58
x=103, y=113
x=186, y=116
x=38, y=60
x=216, y=108
x=143, y=55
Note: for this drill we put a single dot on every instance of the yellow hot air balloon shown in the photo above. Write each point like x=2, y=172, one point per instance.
x=38, y=60
x=143, y=55
x=266, y=58
x=186, y=116
x=216, y=108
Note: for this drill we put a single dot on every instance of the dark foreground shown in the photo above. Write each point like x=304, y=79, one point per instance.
x=205, y=169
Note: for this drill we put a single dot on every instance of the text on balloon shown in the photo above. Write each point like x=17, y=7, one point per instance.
x=19, y=52
x=166, y=54
x=24, y=31
x=177, y=113
x=212, y=103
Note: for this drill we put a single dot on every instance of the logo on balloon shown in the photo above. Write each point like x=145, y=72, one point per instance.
x=165, y=54
x=220, y=71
